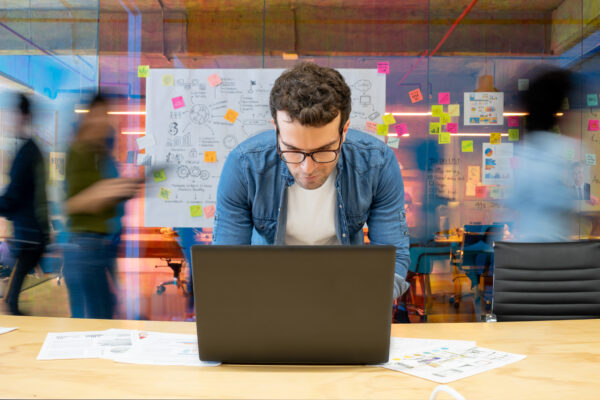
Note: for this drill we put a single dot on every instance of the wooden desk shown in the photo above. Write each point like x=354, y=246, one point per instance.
x=563, y=362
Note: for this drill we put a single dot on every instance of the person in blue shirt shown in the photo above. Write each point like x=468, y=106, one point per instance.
x=313, y=181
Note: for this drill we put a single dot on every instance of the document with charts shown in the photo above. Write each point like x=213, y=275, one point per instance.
x=444, y=361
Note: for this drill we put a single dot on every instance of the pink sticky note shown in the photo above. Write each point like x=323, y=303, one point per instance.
x=177, y=102
x=444, y=98
x=401, y=129
x=383, y=67
x=481, y=192
x=593, y=125
x=515, y=162
x=209, y=211
x=214, y=80
x=371, y=126
x=513, y=122
x=452, y=127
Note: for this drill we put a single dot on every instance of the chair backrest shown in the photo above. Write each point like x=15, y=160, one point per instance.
x=545, y=281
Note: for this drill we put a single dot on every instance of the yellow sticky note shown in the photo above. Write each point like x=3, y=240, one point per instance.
x=164, y=193
x=495, y=138
x=467, y=146
x=382, y=129
x=196, y=210
x=434, y=128
x=231, y=115
x=444, y=138
x=513, y=135
x=388, y=119
x=445, y=118
x=565, y=104
x=159, y=175
x=210, y=156
x=454, y=110
x=143, y=71
x=167, y=80
x=437, y=110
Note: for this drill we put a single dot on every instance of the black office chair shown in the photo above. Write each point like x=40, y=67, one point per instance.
x=546, y=281
x=177, y=281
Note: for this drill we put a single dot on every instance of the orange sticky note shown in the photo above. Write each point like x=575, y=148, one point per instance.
x=196, y=210
x=415, y=95
x=371, y=126
x=214, y=80
x=231, y=115
x=495, y=138
x=209, y=211
x=210, y=156
x=480, y=192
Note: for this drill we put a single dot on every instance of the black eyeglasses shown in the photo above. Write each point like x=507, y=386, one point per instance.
x=298, y=157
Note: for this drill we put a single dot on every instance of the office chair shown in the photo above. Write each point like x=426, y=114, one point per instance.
x=179, y=283
x=546, y=281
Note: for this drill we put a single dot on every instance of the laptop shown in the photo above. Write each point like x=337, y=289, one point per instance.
x=293, y=304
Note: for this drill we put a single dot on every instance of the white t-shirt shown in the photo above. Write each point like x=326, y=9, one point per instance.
x=311, y=214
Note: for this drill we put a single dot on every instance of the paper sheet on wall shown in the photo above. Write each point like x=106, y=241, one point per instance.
x=496, y=164
x=484, y=108
x=187, y=120
x=444, y=361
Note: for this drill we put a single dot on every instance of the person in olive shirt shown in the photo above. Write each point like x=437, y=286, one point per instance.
x=24, y=202
x=94, y=197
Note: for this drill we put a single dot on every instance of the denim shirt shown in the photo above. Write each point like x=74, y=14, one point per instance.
x=252, y=196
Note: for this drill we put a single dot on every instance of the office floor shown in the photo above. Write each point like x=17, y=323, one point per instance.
x=138, y=297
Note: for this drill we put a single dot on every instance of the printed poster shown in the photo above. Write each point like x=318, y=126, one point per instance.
x=496, y=166
x=484, y=108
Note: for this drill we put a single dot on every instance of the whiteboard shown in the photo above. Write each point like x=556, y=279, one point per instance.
x=185, y=124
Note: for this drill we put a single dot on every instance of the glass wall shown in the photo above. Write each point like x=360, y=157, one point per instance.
x=444, y=57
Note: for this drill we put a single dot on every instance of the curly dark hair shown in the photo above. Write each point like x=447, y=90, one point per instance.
x=312, y=95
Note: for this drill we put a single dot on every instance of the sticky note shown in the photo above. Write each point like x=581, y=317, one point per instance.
x=495, y=192
x=590, y=159
x=382, y=129
x=159, y=175
x=145, y=141
x=393, y=142
x=177, y=102
x=569, y=154
x=467, y=146
x=454, y=110
x=401, y=129
x=164, y=193
x=481, y=192
x=143, y=71
x=415, y=95
x=437, y=111
x=168, y=80
x=452, y=127
x=383, y=67
x=515, y=162
x=445, y=118
x=434, y=128
x=513, y=122
x=196, y=210
x=513, y=135
x=495, y=138
x=214, y=80
x=210, y=156
x=131, y=156
x=523, y=84
x=592, y=100
x=209, y=211
x=593, y=125
x=371, y=126
x=444, y=138
x=388, y=119
x=444, y=98
x=565, y=104
x=231, y=115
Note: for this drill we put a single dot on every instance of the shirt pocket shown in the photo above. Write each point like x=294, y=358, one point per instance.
x=265, y=227
x=356, y=222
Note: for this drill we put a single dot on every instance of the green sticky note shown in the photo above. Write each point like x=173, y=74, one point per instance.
x=382, y=129
x=143, y=71
x=435, y=128
x=454, y=110
x=467, y=146
x=393, y=142
x=592, y=100
x=437, y=111
x=196, y=210
x=513, y=135
x=164, y=193
x=159, y=175
x=445, y=118
x=495, y=192
x=388, y=119
x=444, y=138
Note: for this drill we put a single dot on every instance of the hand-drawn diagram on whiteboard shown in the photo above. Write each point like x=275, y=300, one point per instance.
x=192, y=126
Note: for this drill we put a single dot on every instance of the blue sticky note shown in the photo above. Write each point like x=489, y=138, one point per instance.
x=592, y=100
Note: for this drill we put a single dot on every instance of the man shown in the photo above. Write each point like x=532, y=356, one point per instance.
x=579, y=189
x=24, y=203
x=312, y=180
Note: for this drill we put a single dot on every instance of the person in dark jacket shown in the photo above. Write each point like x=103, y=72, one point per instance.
x=25, y=204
